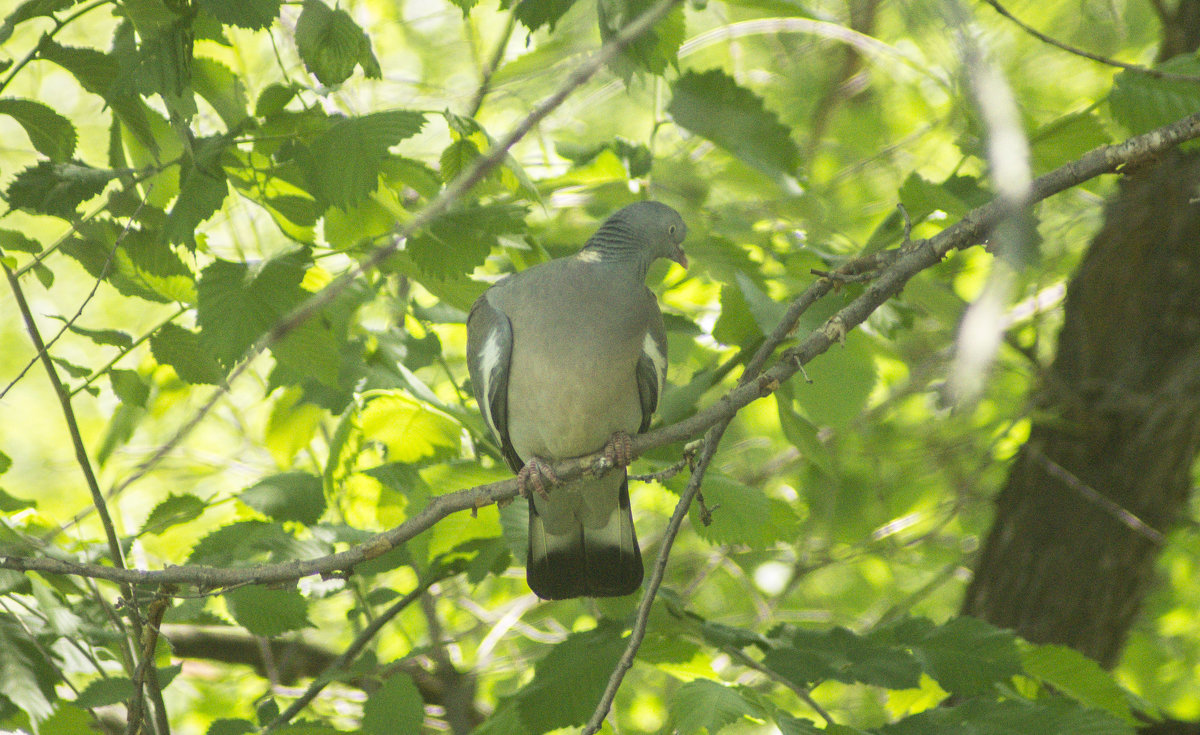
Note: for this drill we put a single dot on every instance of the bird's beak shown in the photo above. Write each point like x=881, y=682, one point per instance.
x=678, y=256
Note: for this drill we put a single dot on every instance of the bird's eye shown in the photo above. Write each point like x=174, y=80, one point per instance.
x=671, y=229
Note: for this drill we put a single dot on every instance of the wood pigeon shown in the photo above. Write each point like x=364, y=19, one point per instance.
x=567, y=358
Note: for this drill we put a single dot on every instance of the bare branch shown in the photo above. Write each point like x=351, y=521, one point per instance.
x=1156, y=73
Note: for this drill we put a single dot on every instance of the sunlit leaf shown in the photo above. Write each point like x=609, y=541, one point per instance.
x=50, y=133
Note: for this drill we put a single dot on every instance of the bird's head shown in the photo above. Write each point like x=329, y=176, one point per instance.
x=644, y=231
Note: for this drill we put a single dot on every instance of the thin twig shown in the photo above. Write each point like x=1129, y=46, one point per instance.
x=1156, y=73
x=81, y=455
x=347, y=657
x=485, y=77
x=746, y=660
x=1119, y=513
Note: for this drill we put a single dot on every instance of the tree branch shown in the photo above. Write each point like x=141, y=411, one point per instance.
x=898, y=266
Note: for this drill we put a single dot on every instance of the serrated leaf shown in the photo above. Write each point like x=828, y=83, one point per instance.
x=222, y=89
x=289, y=496
x=331, y=44
x=1141, y=102
x=10, y=504
x=51, y=134
x=136, y=262
x=31, y=9
x=114, y=337
x=458, y=241
x=18, y=242
x=227, y=726
x=955, y=196
x=26, y=678
x=568, y=681
x=1065, y=139
x=273, y=99
x=246, y=543
x=236, y=304
x=1011, y=717
x=252, y=14
x=130, y=387
x=182, y=350
x=706, y=705
x=342, y=164
x=654, y=50
x=202, y=191
x=1077, y=676
x=711, y=104
x=175, y=510
x=56, y=189
x=103, y=692
x=808, y=657
x=267, y=612
x=534, y=14
x=394, y=707
x=741, y=514
x=967, y=656
x=408, y=429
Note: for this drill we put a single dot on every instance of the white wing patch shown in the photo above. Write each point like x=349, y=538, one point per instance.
x=657, y=358
x=489, y=361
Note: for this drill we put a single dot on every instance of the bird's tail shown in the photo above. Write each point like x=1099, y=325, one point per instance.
x=585, y=562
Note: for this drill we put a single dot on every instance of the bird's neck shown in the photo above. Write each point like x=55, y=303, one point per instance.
x=620, y=260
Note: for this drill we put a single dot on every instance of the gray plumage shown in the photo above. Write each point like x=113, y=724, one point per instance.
x=563, y=356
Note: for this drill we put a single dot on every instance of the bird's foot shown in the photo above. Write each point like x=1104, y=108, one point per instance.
x=619, y=449
x=535, y=473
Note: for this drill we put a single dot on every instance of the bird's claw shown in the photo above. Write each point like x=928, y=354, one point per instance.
x=535, y=472
x=619, y=449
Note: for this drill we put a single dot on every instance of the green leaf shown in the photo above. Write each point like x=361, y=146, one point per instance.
x=130, y=387
x=245, y=543
x=222, y=89
x=967, y=656
x=19, y=242
x=26, y=677
x=31, y=9
x=706, y=705
x=289, y=496
x=808, y=657
x=237, y=304
x=228, y=726
x=534, y=14
x=174, y=511
x=1065, y=139
x=56, y=189
x=252, y=14
x=114, y=337
x=273, y=99
x=10, y=504
x=394, y=707
x=1141, y=102
x=711, y=104
x=103, y=692
x=408, y=429
x=458, y=241
x=568, y=681
x=268, y=612
x=183, y=351
x=1077, y=676
x=291, y=426
x=654, y=50
x=955, y=196
x=841, y=382
x=742, y=514
x=51, y=134
x=342, y=164
x=202, y=191
x=1011, y=717
x=331, y=44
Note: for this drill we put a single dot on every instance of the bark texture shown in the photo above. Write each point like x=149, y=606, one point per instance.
x=1118, y=431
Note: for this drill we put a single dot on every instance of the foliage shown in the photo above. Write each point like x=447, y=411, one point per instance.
x=204, y=202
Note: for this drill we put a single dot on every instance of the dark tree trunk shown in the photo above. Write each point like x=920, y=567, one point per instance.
x=1068, y=559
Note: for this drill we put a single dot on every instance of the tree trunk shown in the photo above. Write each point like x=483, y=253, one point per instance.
x=1107, y=468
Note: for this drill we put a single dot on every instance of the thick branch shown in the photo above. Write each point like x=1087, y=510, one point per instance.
x=901, y=265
